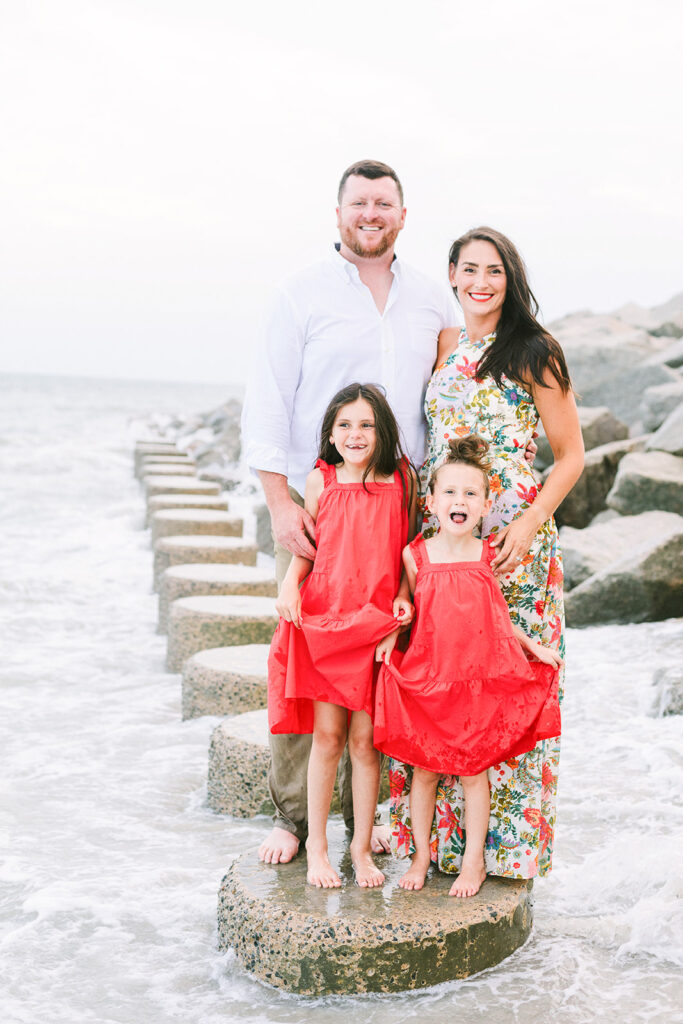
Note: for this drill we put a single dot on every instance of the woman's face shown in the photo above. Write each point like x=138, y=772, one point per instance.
x=479, y=279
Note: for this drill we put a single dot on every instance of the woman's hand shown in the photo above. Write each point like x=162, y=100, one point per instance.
x=288, y=604
x=385, y=647
x=514, y=542
x=403, y=610
x=547, y=655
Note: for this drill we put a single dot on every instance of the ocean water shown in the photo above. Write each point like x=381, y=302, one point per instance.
x=110, y=861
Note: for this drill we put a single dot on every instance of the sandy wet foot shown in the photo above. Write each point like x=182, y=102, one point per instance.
x=469, y=881
x=414, y=877
x=320, y=872
x=279, y=847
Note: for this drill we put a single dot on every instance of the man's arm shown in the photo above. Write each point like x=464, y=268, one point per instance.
x=293, y=527
x=267, y=418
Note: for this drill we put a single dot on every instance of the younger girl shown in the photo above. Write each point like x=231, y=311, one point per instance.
x=321, y=668
x=464, y=696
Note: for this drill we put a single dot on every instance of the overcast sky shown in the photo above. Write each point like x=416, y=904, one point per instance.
x=165, y=163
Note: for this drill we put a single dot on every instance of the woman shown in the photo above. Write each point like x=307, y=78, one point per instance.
x=496, y=377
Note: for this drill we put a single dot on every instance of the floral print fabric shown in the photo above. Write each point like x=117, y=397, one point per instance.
x=519, y=843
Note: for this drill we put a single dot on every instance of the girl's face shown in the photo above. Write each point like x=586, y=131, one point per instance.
x=459, y=500
x=479, y=278
x=353, y=432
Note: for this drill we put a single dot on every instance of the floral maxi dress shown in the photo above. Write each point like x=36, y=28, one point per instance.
x=519, y=843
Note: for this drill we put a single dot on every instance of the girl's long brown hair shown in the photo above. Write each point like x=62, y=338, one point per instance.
x=388, y=455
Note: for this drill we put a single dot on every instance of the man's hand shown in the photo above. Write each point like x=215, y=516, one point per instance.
x=294, y=528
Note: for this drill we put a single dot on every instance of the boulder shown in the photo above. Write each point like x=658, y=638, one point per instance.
x=598, y=426
x=657, y=317
x=647, y=480
x=672, y=355
x=668, y=686
x=658, y=402
x=623, y=391
x=587, y=551
x=646, y=585
x=588, y=495
x=669, y=437
x=600, y=347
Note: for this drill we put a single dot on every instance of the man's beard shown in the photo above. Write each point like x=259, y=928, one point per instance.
x=357, y=248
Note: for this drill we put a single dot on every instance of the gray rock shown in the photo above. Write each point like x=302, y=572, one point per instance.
x=668, y=684
x=622, y=391
x=645, y=586
x=598, y=426
x=585, y=552
x=669, y=437
x=669, y=312
x=587, y=497
x=659, y=401
x=672, y=355
x=600, y=347
x=264, y=534
x=647, y=480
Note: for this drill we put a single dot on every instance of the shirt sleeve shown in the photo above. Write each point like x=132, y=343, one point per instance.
x=450, y=313
x=275, y=376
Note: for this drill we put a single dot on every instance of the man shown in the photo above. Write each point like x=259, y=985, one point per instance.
x=359, y=315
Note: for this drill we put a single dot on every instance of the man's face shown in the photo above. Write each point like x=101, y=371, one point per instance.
x=370, y=215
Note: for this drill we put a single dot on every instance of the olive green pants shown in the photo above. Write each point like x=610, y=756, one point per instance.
x=289, y=753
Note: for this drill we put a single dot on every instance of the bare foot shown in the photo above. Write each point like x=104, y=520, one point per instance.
x=279, y=848
x=414, y=878
x=381, y=834
x=367, y=875
x=468, y=881
x=320, y=872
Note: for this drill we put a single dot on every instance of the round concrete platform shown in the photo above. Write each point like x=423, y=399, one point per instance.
x=198, y=623
x=175, y=521
x=150, y=463
x=318, y=942
x=164, y=469
x=218, y=502
x=178, y=485
x=225, y=681
x=144, y=449
x=239, y=759
x=192, y=547
x=211, y=579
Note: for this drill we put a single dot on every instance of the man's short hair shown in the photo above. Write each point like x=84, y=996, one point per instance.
x=369, y=169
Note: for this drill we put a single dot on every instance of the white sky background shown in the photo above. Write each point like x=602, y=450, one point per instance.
x=165, y=163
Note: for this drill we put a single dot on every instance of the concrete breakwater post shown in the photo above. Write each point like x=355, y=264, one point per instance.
x=198, y=623
x=211, y=579
x=176, y=521
x=225, y=681
x=318, y=942
x=182, y=549
x=158, y=502
x=239, y=759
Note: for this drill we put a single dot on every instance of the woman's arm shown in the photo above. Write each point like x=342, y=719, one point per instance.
x=288, y=603
x=448, y=342
x=561, y=423
x=548, y=655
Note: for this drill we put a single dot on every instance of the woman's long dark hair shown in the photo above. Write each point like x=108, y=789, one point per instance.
x=522, y=347
x=388, y=455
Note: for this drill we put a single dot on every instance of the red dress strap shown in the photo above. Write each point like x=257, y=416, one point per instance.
x=329, y=472
x=417, y=550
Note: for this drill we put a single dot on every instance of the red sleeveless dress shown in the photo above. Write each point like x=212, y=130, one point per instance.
x=346, y=604
x=464, y=696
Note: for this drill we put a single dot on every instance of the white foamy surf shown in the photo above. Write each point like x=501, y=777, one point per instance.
x=110, y=862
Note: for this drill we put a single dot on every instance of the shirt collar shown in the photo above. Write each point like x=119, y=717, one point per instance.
x=350, y=270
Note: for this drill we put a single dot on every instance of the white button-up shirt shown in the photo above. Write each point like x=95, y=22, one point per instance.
x=324, y=332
